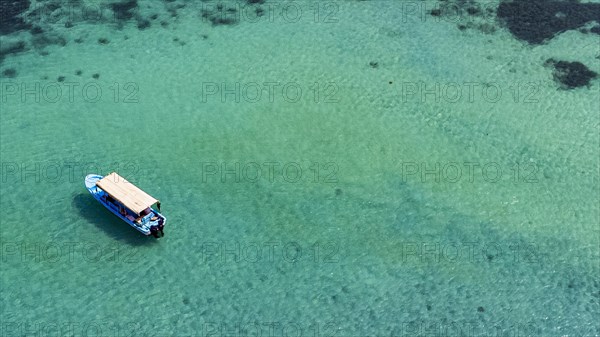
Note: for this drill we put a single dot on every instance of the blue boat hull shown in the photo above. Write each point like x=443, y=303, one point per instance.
x=97, y=193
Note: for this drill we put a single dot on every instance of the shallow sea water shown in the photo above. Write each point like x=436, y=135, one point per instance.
x=389, y=211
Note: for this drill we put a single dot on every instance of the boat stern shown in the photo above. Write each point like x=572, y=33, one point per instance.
x=157, y=225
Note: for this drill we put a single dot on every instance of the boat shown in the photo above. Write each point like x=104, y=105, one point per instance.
x=128, y=202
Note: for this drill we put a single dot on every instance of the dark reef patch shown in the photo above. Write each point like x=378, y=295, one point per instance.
x=473, y=10
x=178, y=41
x=571, y=75
x=96, y=76
x=220, y=16
x=9, y=73
x=487, y=28
x=103, y=40
x=533, y=21
x=467, y=14
x=10, y=19
x=537, y=21
x=124, y=10
x=172, y=8
x=143, y=23
x=35, y=30
x=43, y=40
x=7, y=48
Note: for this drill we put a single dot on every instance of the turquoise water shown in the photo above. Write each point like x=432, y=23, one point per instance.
x=369, y=204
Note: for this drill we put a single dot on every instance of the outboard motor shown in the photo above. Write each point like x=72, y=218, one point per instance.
x=154, y=231
x=161, y=225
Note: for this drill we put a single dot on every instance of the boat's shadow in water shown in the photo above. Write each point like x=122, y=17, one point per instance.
x=97, y=214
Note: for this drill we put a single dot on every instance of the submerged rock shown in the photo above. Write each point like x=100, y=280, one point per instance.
x=571, y=75
x=537, y=21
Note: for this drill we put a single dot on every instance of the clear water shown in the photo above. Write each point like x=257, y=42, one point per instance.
x=363, y=206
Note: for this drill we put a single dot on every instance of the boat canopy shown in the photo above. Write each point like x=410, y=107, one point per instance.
x=126, y=193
